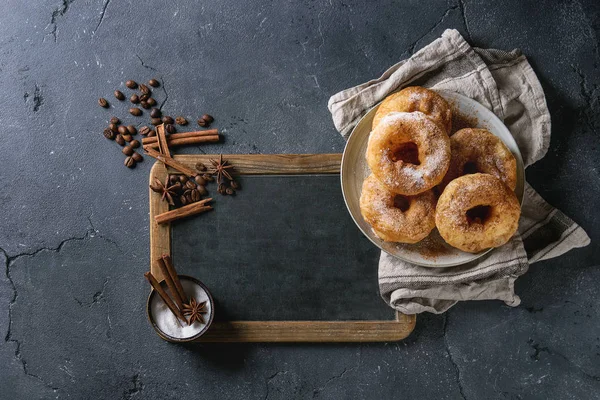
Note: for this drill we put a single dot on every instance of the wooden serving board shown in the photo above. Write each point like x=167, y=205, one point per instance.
x=396, y=328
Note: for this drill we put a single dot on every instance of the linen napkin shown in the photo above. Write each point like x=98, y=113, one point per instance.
x=504, y=83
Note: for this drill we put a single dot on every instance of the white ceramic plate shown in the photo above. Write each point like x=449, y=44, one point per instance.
x=433, y=251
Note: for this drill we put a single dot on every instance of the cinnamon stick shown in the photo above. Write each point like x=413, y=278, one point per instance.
x=171, y=162
x=173, y=273
x=163, y=295
x=170, y=283
x=162, y=140
x=208, y=132
x=184, y=141
x=183, y=212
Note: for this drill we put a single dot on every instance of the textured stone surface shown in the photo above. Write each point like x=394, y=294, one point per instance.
x=74, y=227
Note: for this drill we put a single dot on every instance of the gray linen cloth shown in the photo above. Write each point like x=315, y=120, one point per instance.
x=504, y=83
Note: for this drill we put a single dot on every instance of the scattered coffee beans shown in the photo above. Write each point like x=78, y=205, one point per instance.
x=113, y=127
x=168, y=120
x=115, y=120
x=136, y=112
x=103, y=103
x=181, y=121
x=144, y=89
x=229, y=191
x=151, y=101
x=202, y=122
x=144, y=130
x=119, y=95
x=134, y=143
x=137, y=157
x=183, y=179
x=131, y=129
x=200, y=180
x=127, y=150
x=134, y=98
x=127, y=137
x=144, y=97
x=200, y=167
x=155, y=113
x=129, y=162
x=234, y=185
x=153, y=82
x=119, y=139
x=208, y=118
x=145, y=105
x=202, y=190
x=122, y=130
x=109, y=134
x=152, y=133
x=170, y=128
x=173, y=179
x=131, y=84
x=155, y=121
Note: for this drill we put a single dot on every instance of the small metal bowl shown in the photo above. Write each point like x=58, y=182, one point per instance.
x=170, y=338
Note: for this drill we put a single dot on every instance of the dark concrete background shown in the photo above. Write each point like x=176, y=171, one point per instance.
x=74, y=226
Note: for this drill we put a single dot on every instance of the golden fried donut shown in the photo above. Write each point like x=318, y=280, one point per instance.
x=476, y=212
x=394, y=217
x=408, y=152
x=478, y=150
x=416, y=98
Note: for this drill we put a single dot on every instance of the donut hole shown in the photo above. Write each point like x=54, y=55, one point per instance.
x=470, y=168
x=479, y=214
x=407, y=153
x=401, y=202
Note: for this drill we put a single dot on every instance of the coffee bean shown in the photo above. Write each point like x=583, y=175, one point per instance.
x=234, y=185
x=115, y=120
x=208, y=177
x=200, y=167
x=155, y=113
x=131, y=84
x=181, y=121
x=229, y=191
x=190, y=185
x=119, y=139
x=155, y=121
x=145, y=105
x=119, y=95
x=127, y=150
x=135, y=111
x=208, y=118
x=173, y=179
x=152, y=133
x=127, y=137
x=202, y=122
x=202, y=190
x=144, y=89
x=151, y=101
x=153, y=82
x=122, y=130
x=113, y=127
x=178, y=186
x=137, y=157
x=129, y=162
x=200, y=180
x=144, y=97
x=183, y=200
x=170, y=128
x=195, y=196
x=131, y=129
x=134, y=98
x=183, y=178
x=134, y=143
x=167, y=120
x=221, y=188
x=109, y=134
x=103, y=103
x=144, y=130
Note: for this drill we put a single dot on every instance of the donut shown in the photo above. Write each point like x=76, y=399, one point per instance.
x=408, y=152
x=394, y=217
x=478, y=150
x=416, y=98
x=476, y=212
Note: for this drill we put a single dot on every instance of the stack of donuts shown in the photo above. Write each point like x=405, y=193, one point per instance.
x=422, y=177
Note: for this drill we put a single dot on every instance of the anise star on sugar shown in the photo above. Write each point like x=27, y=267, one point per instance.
x=220, y=168
x=165, y=190
x=195, y=311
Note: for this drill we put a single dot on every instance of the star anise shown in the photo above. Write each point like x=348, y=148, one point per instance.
x=220, y=168
x=195, y=311
x=167, y=191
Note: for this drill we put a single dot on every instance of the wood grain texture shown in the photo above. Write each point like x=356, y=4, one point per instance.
x=273, y=331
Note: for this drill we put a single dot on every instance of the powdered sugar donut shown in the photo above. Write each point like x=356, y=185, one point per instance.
x=416, y=98
x=476, y=212
x=478, y=150
x=394, y=217
x=408, y=152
